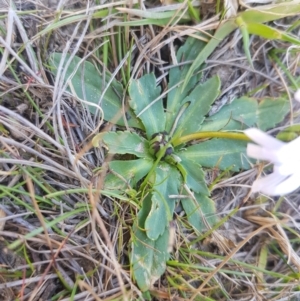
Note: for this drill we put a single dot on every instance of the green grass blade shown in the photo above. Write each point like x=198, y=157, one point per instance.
x=224, y=30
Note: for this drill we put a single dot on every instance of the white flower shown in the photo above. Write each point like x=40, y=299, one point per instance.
x=297, y=95
x=285, y=157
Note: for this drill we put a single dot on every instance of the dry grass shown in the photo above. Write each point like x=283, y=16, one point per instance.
x=70, y=241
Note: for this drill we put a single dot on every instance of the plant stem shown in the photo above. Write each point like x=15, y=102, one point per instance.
x=207, y=135
x=160, y=155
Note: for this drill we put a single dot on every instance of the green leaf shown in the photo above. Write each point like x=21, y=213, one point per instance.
x=200, y=212
x=271, y=112
x=143, y=92
x=145, y=14
x=221, y=153
x=131, y=171
x=115, y=184
x=238, y=115
x=87, y=84
x=200, y=99
x=195, y=176
x=270, y=33
x=244, y=112
x=290, y=133
x=162, y=206
x=269, y=13
x=187, y=52
x=126, y=143
x=148, y=257
x=193, y=12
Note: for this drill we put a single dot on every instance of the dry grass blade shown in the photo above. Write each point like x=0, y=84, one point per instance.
x=278, y=234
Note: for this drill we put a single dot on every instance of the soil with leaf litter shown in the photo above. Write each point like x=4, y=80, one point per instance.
x=80, y=218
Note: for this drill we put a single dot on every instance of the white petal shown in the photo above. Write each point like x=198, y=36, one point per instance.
x=290, y=159
x=264, y=139
x=260, y=153
x=267, y=184
x=287, y=168
x=288, y=185
x=295, y=143
x=291, y=149
x=297, y=95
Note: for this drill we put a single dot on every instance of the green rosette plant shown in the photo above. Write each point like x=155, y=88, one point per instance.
x=164, y=168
